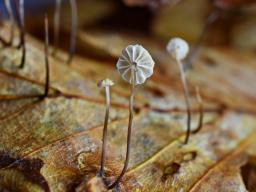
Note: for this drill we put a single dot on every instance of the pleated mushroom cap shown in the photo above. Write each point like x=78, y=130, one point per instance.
x=138, y=59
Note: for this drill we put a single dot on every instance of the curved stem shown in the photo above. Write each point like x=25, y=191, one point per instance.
x=128, y=147
x=187, y=96
x=201, y=109
x=56, y=25
x=211, y=18
x=104, y=137
x=72, y=47
x=46, y=44
x=21, y=24
x=23, y=41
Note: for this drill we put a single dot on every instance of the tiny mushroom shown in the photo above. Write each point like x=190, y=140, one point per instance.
x=135, y=65
x=107, y=83
x=178, y=49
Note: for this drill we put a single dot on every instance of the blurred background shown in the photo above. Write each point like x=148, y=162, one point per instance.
x=235, y=25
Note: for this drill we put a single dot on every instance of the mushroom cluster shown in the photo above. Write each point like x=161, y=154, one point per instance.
x=135, y=66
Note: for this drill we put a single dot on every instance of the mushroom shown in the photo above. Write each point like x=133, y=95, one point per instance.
x=178, y=49
x=135, y=65
x=107, y=83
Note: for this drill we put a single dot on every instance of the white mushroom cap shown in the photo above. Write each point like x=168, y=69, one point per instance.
x=105, y=83
x=138, y=59
x=178, y=48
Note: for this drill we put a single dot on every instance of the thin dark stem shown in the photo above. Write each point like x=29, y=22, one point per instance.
x=23, y=57
x=21, y=24
x=46, y=45
x=212, y=17
x=201, y=109
x=7, y=4
x=104, y=137
x=72, y=48
x=23, y=40
x=56, y=25
x=187, y=96
x=128, y=147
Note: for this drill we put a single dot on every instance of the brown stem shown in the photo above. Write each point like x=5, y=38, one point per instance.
x=21, y=24
x=23, y=40
x=104, y=137
x=46, y=44
x=56, y=25
x=201, y=109
x=72, y=48
x=128, y=147
x=187, y=96
x=212, y=17
x=23, y=57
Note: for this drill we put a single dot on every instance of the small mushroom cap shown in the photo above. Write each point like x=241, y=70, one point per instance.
x=178, y=48
x=137, y=59
x=105, y=83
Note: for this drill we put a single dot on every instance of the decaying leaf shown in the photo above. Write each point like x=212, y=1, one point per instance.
x=61, y=134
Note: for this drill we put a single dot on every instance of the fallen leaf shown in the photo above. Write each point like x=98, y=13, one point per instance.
x=63, y=131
